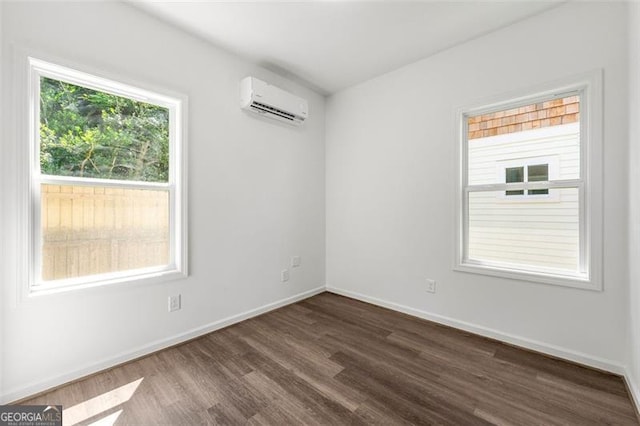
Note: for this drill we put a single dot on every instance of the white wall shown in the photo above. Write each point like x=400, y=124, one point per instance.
x=3, y=321
x=634, y=200
x=256, y=192
x=391, y=184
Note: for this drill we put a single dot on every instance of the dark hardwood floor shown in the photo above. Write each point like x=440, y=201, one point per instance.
x=331, y=360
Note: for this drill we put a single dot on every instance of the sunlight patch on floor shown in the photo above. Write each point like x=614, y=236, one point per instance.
x=109, y=420
x=99, y=404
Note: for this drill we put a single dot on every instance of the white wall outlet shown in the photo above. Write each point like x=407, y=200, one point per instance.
x=284, y=275
x=295, y=261
x=174, y=303
x=431, y=285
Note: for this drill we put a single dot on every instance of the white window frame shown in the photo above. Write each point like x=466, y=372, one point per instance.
x=589, y=276
x=175, y=185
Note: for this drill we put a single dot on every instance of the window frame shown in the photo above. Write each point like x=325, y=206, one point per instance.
x=175, y=185
x=589, y=276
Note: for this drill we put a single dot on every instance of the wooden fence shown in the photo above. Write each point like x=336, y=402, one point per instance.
x=89, y=230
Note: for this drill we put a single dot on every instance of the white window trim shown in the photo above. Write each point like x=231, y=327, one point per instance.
x=29, y=67
x=589, y=86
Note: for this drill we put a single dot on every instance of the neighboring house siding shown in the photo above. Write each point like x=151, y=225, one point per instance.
x=550, y=113
x=534, y=230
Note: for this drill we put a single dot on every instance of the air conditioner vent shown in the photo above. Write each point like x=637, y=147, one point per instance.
x=272, y=110
x=272, y=102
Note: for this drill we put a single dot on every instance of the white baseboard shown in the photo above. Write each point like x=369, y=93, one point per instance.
x=553, y=350
x=632, y=386
x=92, y=368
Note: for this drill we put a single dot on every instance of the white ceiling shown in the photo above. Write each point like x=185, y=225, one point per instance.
x=331, y=45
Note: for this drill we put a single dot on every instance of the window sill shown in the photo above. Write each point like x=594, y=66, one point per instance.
x=142, y=277
x=573, y=281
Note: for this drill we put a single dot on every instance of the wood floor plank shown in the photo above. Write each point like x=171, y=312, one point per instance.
x=388, y=382
x=373, y=412
x=331, y=360
x=223, y=414
x=325, y=409
x=555, y=367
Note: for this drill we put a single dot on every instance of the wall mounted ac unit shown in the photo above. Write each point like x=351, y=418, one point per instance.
x=267, y=100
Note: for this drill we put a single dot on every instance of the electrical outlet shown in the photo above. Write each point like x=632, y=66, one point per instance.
x=295, y=261
x=174, y=303
x=431, y=285
x=284, y=275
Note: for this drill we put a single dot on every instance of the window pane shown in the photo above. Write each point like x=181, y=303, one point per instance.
x=88, y=133
x=90, y=230
x=544, y=129
x=537, y=173
x=514, y=174
x=525, y=235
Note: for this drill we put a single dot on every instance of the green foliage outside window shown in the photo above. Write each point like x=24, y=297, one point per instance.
x=88, y=133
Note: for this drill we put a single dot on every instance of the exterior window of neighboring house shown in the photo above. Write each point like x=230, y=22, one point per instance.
x=528, y=188
x=533, y=173
x=106, y=181
x=533, y=169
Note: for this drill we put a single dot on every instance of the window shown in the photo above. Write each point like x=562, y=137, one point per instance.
x=533, y=173
x=513, y=175
x=533, y=169
x=106, y=181
x=530, y=188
